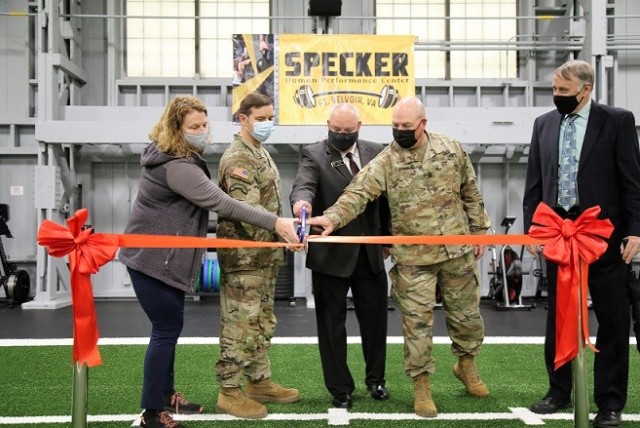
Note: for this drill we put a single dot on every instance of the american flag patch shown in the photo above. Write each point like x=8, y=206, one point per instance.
x=241, y=173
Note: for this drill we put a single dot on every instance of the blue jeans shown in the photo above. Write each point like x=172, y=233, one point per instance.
x=164, y=305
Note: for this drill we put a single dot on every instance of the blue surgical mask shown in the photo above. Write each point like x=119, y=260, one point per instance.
x=199, y=141
x=262, y=130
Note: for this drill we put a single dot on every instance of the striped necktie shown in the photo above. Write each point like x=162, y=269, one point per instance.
x=568, y=166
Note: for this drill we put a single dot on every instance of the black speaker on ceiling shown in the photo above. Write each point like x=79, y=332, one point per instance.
x=325, y=7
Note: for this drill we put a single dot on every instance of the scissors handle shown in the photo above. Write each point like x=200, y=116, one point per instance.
x=302, y=227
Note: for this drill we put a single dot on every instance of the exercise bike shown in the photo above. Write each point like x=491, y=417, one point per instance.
x=506, y=273
x=541, y=273
x=15, y=282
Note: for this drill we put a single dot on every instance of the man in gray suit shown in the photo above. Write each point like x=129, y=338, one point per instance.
x=327, y=168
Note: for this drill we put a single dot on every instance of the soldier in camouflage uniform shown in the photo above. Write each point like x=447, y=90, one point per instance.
x=431, y=188
x=248, y=173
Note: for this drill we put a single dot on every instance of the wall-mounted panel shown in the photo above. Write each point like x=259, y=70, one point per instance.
x=437, y=96
x=465, y=97
x=153, y=95
x=492, y=97
x=515, y=96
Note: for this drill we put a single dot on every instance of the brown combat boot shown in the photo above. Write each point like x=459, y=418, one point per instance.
x=465, y=370
x=234, y=401
x=267, y=391
x=423, y=404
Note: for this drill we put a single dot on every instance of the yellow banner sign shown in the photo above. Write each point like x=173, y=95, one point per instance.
x=316, y=72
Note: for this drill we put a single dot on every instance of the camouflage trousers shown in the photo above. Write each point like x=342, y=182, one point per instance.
x=414, y=290
x=247, y=325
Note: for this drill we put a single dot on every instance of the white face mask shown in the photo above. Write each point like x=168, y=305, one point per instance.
x=199, y=141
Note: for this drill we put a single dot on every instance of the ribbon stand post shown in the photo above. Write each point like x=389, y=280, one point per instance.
x=80, y=395
x=573, y=245
x=86, y=252
x=579, y=371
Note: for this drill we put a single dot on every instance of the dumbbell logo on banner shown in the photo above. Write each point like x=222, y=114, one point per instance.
x=305, y=97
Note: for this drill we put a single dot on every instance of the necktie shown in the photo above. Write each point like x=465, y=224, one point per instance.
x=353, y=166
x=568, y=167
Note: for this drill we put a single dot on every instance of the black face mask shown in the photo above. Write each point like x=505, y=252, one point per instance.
x=405, y=138
x=343, y=140
x=566, y=104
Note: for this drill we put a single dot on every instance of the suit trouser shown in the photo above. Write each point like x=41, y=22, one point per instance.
x=164, y=305
x=369, y=292
x=611, y=307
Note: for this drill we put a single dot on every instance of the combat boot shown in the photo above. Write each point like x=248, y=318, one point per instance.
x=423, y=404
x=233, y=401
x=267, y=391
x=465, y=370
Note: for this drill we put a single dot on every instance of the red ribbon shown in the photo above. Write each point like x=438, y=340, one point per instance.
x=87, y=253
x=573, y=245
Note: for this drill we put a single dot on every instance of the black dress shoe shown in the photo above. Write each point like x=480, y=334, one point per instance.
x=549, y=404
x=378, y=392
x=342, y=401
x=607, y=419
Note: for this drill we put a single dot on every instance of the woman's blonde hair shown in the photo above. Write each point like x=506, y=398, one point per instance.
x=167, y=133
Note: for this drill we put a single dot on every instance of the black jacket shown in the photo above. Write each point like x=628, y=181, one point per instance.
x=608, y=172
x=320, y=181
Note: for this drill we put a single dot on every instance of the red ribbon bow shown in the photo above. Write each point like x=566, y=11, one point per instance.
x=573, y=245
x=87, y=253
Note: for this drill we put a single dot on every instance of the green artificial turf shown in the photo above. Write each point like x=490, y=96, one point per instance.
x=37, y=381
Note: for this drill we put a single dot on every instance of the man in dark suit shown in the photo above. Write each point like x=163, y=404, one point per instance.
x=607, y=174
x=326, y=169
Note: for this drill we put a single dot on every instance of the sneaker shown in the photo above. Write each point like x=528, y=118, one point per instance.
x=176, y=403
x=159, y=420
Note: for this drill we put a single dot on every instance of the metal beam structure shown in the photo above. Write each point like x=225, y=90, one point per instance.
x=58, y=47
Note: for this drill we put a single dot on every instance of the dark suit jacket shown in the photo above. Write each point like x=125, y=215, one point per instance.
x=320, y=183
x=608, y=172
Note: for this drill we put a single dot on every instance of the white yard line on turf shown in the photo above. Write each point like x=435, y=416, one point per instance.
x=493, y=340
x=333, y=417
